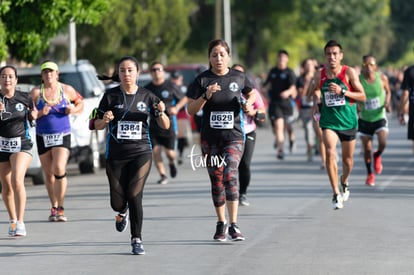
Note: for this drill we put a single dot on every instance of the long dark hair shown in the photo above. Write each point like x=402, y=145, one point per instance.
x=9, y=66
x=115, y=75
x=214, y=43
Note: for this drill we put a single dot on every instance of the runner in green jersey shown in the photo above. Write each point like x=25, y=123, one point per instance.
x=372, y=118
x=340, y=89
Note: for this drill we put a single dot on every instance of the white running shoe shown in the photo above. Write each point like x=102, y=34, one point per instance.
x=345, y=189
x=20, y=229
x=345, y=192
x=337, y=202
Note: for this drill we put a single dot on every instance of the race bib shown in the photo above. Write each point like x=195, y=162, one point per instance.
x=129, y=130
x=222, y=120
x=373, y=104
x=10, y=145
x=53, y=139
x=333, y=100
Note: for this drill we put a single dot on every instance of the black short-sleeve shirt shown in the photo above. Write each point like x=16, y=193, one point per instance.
x=222, y=114
x=128, y=134
x=14, y=122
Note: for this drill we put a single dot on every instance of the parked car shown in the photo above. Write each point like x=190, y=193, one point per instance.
x=87, y=147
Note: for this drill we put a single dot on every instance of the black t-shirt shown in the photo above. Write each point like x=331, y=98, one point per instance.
x=222, y=113
x=170, y=94
x=408, y=84
x=280, y=80
x=14, y=119
x=128, y=132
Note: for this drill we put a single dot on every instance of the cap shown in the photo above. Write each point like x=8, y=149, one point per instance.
x=49, y=65
x=175, y=74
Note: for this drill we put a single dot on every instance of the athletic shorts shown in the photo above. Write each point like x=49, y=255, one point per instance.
x=41, y=149
x=26, y=147
x=5, y=157
x=344, y=135
x=410, y=127
x=282, y=109
x=366, y=128
x=167, y=142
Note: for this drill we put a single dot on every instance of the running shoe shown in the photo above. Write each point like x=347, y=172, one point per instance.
x=235, y=233
x=377, y=164
x=337, y=202
x=137, y=247
x=60, y=216
x=53, y=214
x=243, y=200
x=173, y=170
x=221, y=232
x=20, y=229
x=121, y=222
x=12, y=228
x=345, y=190
x=280, y=155
x=370, y=179
x=292, y=146
x=162, y=180
x=180, y=160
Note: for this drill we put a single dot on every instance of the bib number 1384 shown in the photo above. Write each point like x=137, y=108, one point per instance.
x=129, y=130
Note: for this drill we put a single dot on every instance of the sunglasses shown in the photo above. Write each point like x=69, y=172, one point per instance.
x=156, y=69
x=369, y=64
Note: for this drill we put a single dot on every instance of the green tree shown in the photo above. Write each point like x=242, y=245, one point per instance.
x=27, y=25
x=302, y=27
x=147, y=29
x=402, y=20
x=361, y=27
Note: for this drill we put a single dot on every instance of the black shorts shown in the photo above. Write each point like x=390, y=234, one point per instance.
x=41, y=149
x=366, y=128
x=345, y=135
x=410, y=127
x=167, y=142
x=26, y=147
x=283, y=109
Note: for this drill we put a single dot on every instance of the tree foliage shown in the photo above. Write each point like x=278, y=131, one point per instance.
x=361, y=27
x=402, y=20
x=28, y=25
x=180, y=29
x=147, y=29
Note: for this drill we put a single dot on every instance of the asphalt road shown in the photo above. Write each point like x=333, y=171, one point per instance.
x=290, y=226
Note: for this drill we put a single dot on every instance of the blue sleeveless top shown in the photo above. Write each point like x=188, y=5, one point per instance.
x=57, y=121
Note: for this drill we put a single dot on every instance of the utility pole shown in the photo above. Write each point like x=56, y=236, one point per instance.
x=218, y=33
x=72, y=42
x=227, y=23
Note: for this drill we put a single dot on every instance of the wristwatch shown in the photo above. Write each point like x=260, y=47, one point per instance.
x=204, y=96
x=343, y=91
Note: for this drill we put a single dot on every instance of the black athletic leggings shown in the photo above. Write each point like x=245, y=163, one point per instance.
x=244, y=166
x=126, y=183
